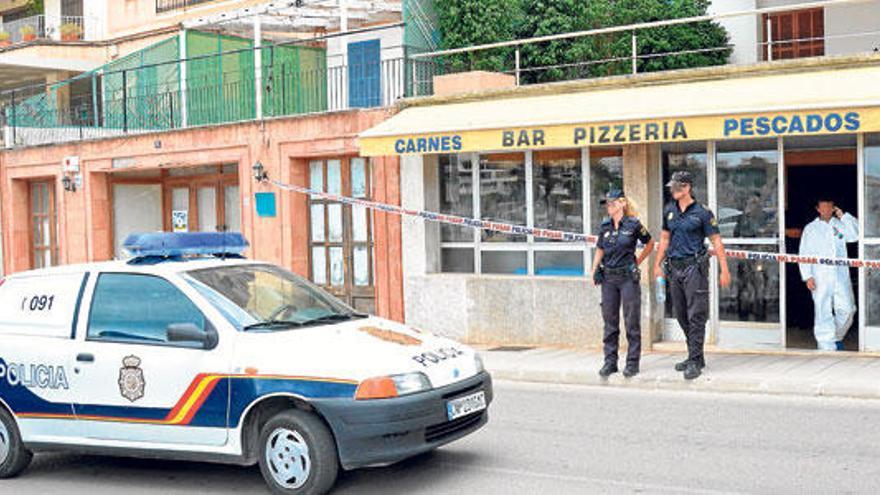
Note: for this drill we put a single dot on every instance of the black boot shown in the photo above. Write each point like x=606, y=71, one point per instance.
x=682, y=365
x=608, y=369
x=693, y=370
x=631, y=370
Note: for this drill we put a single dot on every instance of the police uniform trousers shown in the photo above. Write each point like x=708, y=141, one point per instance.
x=617, y=290
x=689, y=291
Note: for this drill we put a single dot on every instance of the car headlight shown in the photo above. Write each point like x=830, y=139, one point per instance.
x=386, y=387
x=478, y=362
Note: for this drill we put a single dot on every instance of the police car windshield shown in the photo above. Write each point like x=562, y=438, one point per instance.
x=267, y=298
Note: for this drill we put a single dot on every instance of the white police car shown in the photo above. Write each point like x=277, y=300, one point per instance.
x=213, y=357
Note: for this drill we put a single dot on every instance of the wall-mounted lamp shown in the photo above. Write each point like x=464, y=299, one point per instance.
x=259, y=170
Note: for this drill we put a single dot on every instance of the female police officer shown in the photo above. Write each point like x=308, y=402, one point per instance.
x=616, y=269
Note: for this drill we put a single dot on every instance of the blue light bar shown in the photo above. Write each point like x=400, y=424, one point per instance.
x=179, y=245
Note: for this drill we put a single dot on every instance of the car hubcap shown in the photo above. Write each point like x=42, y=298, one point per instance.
x=287, y=456
x=4, y=443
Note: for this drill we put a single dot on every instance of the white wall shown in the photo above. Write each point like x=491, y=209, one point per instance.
x=96, y=14
x=851, y=20
x=136, y=208
x=393, y=73
x=743, y=30
x=52, y=10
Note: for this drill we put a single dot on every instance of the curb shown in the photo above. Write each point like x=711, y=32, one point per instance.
x=705, y=383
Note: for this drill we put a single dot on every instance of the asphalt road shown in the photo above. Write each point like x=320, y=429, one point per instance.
x=567, y=439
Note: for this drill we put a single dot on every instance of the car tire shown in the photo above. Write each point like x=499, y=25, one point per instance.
x=14, y=457
x=297, y=454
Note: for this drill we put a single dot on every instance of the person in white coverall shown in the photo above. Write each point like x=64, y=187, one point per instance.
x=826, y=236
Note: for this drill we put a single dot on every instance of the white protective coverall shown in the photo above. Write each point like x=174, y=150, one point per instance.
x=833, y=298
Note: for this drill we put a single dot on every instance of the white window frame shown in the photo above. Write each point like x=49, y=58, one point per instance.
x=530, y=246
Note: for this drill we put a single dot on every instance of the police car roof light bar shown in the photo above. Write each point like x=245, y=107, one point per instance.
x=179, y=245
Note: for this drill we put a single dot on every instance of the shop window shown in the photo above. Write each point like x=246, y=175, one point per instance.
x=606, y=173
x=747, y=173
x=873, y=293
x=544, y=189
x=456, y=195
x=557, y=183
x=872, y=226
x=795, y=34
x=872, y=187
x=753, y=294
x=503, y=193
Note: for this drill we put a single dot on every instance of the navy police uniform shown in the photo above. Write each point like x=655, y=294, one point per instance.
x=621, y=285
x=688, y=271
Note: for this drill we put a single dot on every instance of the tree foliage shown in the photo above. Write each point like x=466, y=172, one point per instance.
x=473, y=22
x=476, y=22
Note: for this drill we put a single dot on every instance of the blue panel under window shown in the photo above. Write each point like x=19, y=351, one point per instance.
x=364, y=74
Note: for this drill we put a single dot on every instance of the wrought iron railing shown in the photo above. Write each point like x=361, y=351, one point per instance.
x=169, y=5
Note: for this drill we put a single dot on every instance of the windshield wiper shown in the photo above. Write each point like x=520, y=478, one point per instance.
x=297, y=324
x=333, y=317
x=272, y=324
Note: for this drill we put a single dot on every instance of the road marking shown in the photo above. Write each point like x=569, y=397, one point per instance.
x=586, y=479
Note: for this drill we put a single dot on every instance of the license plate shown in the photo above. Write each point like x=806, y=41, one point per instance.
x=466, y=405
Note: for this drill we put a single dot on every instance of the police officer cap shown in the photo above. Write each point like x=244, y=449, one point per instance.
x=611, y=196
x=680, y=178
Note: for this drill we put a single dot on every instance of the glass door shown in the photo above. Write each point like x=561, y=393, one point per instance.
x=44, y=242
x=747, y=198
x=869, y=247
x=341, y=236
x=202, y=199
x=693, y=158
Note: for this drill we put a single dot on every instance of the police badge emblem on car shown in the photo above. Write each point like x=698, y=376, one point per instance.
x=131, y=379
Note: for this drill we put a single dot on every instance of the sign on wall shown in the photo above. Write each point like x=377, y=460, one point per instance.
x=180, y=221
x=699, y=128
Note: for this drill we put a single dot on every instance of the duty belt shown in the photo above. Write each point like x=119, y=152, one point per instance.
x=679, y=263
x=618, y=270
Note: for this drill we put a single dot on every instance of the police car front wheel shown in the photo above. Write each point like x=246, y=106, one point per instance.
x=14, y=458
x=298, y=454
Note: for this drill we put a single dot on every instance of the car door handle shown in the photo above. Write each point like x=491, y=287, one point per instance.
x=85, y=358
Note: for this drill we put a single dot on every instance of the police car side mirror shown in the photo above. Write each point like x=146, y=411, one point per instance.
x=189, y=332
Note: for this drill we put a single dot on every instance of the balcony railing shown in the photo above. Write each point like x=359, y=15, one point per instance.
x=651, y=47
x=136, y=101
x=60, y=28
x=169, y=5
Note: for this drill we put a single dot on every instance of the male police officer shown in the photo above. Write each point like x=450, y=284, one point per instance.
x=686, y=225
x=827, y=236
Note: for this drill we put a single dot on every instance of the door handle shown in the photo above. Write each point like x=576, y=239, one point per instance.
x=85, y=358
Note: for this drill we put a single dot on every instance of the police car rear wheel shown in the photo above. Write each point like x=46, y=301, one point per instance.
x=298, y=454
x=14, y=458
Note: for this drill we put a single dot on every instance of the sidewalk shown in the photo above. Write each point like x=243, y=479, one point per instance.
x=822, y=374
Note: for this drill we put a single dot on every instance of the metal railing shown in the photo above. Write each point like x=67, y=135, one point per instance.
x=63, y=28
x=169, y=5
x=25, y=29
x=123, y=104
x=618, y=50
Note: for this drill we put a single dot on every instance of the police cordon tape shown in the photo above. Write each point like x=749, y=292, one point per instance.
x=588, y=239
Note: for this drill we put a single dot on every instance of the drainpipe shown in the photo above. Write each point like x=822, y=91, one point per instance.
x=258, y=67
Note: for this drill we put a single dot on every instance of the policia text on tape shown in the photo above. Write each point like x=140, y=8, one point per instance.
x=588, y=239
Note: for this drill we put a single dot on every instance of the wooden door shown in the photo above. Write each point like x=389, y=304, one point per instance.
x=44, y=240
x=341, y=236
